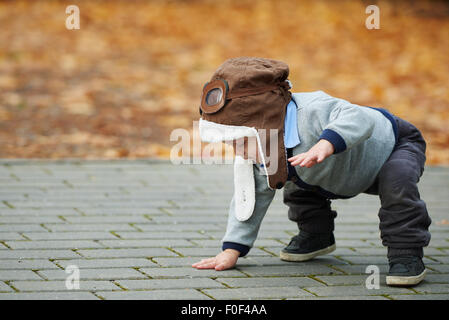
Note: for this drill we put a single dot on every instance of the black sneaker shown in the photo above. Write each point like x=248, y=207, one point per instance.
x=405, y=271
x=306, y=246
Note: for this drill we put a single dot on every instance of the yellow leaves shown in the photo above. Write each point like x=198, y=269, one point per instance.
x=81, y=108
x=76, y=101
x=134, y=71
x=68, y=63
x=7, y=82
x=78, y=138
x=4, y=115
x=11, y=98
x=175, y=121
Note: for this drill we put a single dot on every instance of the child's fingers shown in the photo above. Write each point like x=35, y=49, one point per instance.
x=220, y=267
x=204, y=261
x=205, y=264
x=298, y=156
x=320, y=158
x=308, y=161
x=223, y=265
x=210, y=265
x=297, y=159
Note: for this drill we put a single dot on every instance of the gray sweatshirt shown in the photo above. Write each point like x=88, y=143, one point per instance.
x=363, y=139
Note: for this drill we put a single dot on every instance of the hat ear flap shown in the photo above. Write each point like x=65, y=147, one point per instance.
x=244, y=188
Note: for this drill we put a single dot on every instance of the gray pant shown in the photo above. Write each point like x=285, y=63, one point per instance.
x=404, y=220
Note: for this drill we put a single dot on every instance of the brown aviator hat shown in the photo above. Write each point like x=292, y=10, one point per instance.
x=245, y=97
x=250, y=92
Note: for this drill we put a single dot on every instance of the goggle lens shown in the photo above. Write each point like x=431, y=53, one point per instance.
x=214, y=96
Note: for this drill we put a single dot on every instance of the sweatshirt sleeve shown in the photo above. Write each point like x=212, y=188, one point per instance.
x=348, y=125
x=240, y=235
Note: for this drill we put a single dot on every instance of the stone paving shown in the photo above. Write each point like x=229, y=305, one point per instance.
x=134, y=227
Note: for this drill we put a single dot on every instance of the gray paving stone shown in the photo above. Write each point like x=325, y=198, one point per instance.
x=72, y=295
x=5, y=288
x=127, y=253
x=270, y=261
x=359, y=290
x=354, y=243
x=256, y=293
x=443, y=268
x=60, y=285
x=51, y=212
x=8, y=275
x=21, y=228
x=106, y=219
x=420, y=297
x=107, y=263
x=121, y=211
x=11, y=236
x=127, y=210
x=360, y=269
x=360, y=251
x=88, y=227
x=426, y=287
x=37, y=254
x=28, y=219
x=287, y=270
x=342, y=298
x=437, y=277
x=441, y=259
x=197, y=283
x=189, y=272
x=173, y=228
x=83, y=235
x=269, y=282
x=338, y=280
x=356, y=236
x=146, y=243
x=95, y=274
x=440, y=243
x=176, y=294
x=160, y=235
x=44, y=204
x=376, y=260
x=53, y=244
x=34, y=264
x=441, y=234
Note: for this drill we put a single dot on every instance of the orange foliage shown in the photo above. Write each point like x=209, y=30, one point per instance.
x=134, y=71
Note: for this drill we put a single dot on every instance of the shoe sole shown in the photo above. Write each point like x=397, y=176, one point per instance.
x=296, y=257
x=405, y=281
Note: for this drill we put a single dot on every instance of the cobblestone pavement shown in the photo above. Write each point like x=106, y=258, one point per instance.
x=133, y=228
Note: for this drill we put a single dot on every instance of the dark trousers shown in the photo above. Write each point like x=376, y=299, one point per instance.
x=404, y=220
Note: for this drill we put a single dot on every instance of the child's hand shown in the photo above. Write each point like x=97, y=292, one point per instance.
x=222, y=261
x=316, y=154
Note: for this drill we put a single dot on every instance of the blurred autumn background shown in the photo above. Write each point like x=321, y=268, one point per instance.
x=134, y=71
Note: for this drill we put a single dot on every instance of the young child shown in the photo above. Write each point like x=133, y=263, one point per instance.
x=323, y=148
